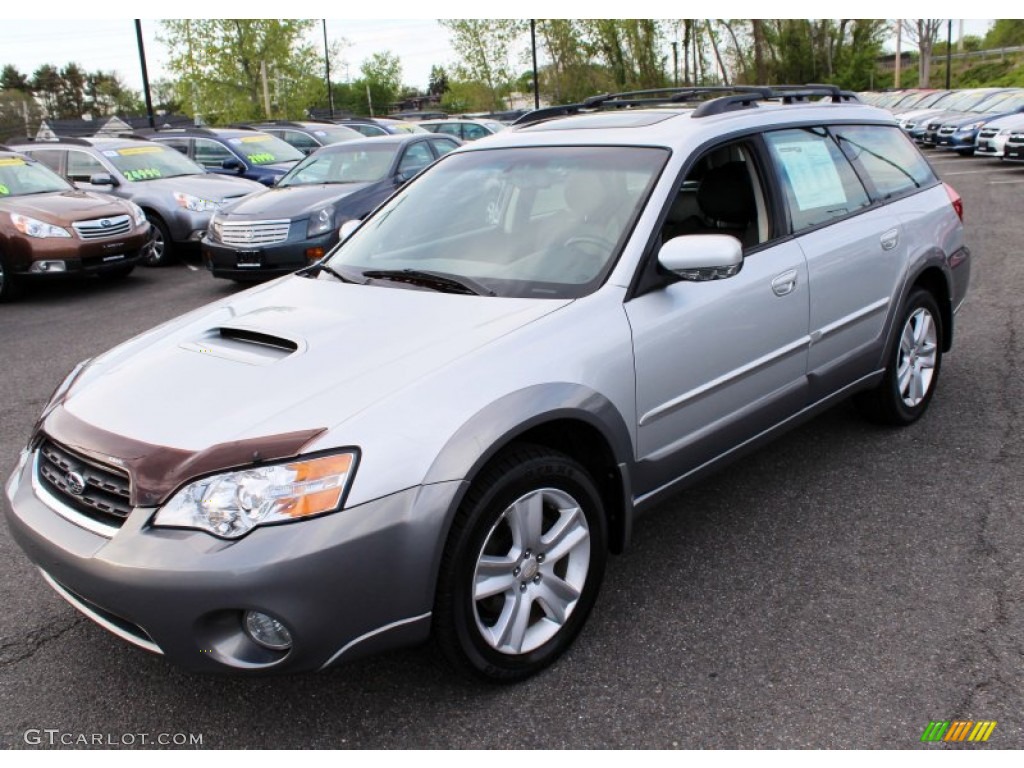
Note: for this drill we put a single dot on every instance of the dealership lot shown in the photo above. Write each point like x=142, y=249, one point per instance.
x=840, y=589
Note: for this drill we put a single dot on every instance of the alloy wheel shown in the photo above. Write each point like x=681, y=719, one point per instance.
x=917, y=357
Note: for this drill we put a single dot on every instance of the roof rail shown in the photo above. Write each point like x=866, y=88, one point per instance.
x=192, y=129
x=713, y=100
x=137, y=135
x=56, y=140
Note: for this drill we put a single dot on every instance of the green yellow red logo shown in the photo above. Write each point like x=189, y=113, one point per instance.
x=958, y=730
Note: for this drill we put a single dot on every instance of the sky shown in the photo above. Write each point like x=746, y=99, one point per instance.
x=109, y=43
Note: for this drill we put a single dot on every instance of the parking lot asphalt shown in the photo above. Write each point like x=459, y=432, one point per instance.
x=841, y=588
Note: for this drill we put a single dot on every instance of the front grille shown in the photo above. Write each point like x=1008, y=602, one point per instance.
x=946, y=130
x=934, y=126
x=988, y=133
x=104, y=495
x=97, y=229
x=245, y=233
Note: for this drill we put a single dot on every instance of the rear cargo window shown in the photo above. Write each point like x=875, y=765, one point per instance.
x=886, y=158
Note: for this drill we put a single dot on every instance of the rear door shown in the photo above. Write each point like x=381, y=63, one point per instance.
x=854, y=250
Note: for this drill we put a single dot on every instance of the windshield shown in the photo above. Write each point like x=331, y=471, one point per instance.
x=149, y=162
x=1007, y=103
x=965, y=101
x=264, y=149
x=933, y=100
x=361, y=164
x=19, y=176
x=335, y=134
x=541, y=222
x=397, y=127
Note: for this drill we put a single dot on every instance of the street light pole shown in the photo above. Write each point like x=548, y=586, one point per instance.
x=949, y=49
x=145, y=74
x=327, y=70
x=533, y=46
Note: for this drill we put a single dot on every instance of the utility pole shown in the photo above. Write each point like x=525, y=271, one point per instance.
x=675, y=63
x=266, y=88
x=145, y=74
x=369, y=99
x=899, y=54
x=533, y=46
x=327, y=70
x=949, y=49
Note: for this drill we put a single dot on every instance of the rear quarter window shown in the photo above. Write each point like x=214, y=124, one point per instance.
x=885, y=158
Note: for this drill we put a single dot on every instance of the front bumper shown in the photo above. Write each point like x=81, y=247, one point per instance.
x=958, y=141
x=79, y=257
x=345, y=584
x=990, y=146
x=265, y=262
x=187, y=226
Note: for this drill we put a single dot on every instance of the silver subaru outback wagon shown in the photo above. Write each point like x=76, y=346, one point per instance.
x=452, y=420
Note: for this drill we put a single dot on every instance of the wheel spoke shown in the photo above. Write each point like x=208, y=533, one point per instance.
x=907, y=339
x=922, y=327
x=570, y=537
x=916, y=386
x=510, y=629
x=556, y=596
x=526, y=518
x=493, y=576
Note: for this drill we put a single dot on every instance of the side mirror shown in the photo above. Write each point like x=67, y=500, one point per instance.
x=702, y=257
x=403, y=176
x=103, y=180
x=232, y=164
x=346, y=229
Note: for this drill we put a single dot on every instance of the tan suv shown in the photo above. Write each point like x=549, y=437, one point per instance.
x=48, y=228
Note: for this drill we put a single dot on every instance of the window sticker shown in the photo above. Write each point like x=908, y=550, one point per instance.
x=4, y=190
x=261, y=157
x=110, y=153
x=8, y=161
x=812, y=174
x=129, y=151
x=320, y=133
x=248, y=139
x=143, y=174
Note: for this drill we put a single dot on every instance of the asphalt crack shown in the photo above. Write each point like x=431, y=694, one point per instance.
x=18, y=649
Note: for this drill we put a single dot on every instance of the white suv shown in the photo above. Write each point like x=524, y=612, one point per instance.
x=445, y=426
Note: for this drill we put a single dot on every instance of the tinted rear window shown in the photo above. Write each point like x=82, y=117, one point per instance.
x=885, y=157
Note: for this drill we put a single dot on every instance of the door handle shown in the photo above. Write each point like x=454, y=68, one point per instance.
x=890, y=239
x=784, y=283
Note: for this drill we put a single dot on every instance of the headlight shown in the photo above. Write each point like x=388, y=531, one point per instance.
x=231, y=504
x=197, y=204
x=1004, y=132
x=213, y=228
x=969, y=127
x=137, y=213
x=319, y=222
x=35, y=228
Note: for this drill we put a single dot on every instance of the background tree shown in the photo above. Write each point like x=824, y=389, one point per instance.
x=485, y=47
x=438, y=84
x=1005, y=33
x=218, y=64
x=923, y=33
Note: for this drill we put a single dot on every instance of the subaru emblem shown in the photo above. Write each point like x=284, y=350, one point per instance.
x=105, y=223
x=76, y=483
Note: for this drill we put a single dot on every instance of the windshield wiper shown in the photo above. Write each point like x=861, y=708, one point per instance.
x=439, y=281
x=314, y=269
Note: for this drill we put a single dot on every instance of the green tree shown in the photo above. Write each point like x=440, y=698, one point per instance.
x=438, y=84
x=1005, y=33
x=46, y=85
x=225, y=67
x=382, y=79
x=107, y=95
x=485, y=49
x=11, y=79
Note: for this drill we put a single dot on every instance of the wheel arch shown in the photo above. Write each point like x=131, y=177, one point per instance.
x=569, y=418
x=934, y=280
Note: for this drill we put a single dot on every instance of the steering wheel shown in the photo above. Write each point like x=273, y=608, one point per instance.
x=595, y=244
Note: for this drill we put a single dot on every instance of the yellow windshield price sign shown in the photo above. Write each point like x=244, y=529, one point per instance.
x=7, y=161
x=261, y=157
x=139, y=151
x=250, y=139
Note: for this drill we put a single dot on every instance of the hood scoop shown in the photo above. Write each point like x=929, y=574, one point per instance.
x=243, y=345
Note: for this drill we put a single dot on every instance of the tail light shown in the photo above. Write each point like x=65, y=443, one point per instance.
x=956, y=200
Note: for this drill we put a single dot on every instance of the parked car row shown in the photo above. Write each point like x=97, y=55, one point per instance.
x=973, y=121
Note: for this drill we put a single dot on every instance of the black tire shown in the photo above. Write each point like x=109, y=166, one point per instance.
x=900, y=404
x=10, y=286
x=467, y=629
x=157, y=252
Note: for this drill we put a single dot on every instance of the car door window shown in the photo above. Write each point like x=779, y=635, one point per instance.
x=301, y=141
x=818, y=181
x=416, y=157
x=452, y=129
x=443, y=146
x=179, y=144
x=82, y=166
x=49, y=157
x=210, y=154
x=885, y=157
x=472, y=132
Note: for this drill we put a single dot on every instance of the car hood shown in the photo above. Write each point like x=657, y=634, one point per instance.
x=61, y=208
x=290, y=202
x=1014, y=121
x=978, y=118
x=209, y=186
x=294, y=354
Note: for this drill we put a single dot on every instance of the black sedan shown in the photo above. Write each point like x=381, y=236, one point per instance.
x=296, y=222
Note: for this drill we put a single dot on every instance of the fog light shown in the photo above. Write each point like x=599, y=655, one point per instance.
x=267, y=631
x=48, y=266
x=314, y=254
